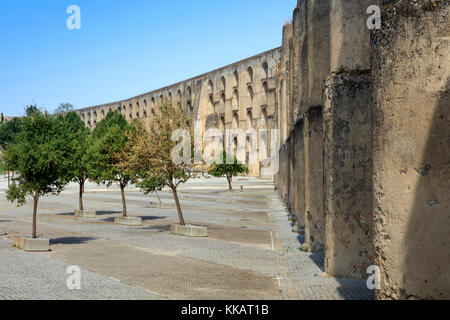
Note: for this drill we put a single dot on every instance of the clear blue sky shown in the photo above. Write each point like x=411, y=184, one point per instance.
x=124, y=48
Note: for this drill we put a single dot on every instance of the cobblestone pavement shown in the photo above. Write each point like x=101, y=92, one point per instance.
x=250, y=253
x=34, y=276
x=301, y=274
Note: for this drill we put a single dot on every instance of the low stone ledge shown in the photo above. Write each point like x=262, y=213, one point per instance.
x=32, y=245
x=85, y=214
x=128, y=221
x=189, y=230
x=156, y=205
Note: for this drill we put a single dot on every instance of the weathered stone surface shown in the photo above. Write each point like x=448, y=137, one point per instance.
x=299, y=177
x=32, y=245
x=411, y=71
x=318, y=44
x=128, y=221
x=349, y=38
x=189, y=230
x=348, y=174
x=85, y=214
x=160, y=205
x=313, y=181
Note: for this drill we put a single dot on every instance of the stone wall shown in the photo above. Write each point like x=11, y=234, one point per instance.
x=411, y=71
x=348, y=175
x=314, y=179
x=372, y=110
x=239, y=96
x=323, y=52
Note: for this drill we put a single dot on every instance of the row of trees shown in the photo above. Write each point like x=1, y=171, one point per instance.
x=49, y=151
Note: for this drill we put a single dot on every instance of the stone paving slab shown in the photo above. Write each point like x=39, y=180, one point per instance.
x=173, y=276
x=302, y=274
x=157, y=238
x=31, y=276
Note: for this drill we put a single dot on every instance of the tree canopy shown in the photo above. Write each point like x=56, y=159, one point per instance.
x=8, y=131
x=77, y=160
x=38, y=156
x=151, y=152
x=108, y=139
x=63, y=108
x=228, y=170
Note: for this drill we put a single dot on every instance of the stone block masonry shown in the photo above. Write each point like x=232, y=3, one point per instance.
x=348, y=175
x=411, y=74
x=313, y=158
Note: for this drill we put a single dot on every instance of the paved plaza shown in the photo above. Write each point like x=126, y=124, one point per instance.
x=251, y=252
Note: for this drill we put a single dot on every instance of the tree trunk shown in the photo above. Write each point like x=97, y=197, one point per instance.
x=81, y=195
x=9, y=178
x=177, y=202
x=36, y=199
x=230, y=179
x=124, y=204
x=159, y=199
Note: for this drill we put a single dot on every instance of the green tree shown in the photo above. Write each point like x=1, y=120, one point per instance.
x=8, y=132
x=38, y=156
x=109, y=139
x=151, y=152
x=63, y=108
x=29, y=110
x=77, y=161
x=152, y=184
x=228, y=170
x=128, y=161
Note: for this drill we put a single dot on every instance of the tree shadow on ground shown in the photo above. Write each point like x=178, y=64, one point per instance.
x=71, y=240
x=151, y=218
x=161, y=228
x=98, y=213
x=144, y=218
x=104, y=213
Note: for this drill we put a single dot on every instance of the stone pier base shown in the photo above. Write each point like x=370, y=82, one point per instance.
x=189, y=230
x=85, y=214
x=128, y=221
x=32, y=245
x=348, y=175
x=314, y=217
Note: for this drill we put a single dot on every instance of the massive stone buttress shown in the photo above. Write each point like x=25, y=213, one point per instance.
x=411, y=119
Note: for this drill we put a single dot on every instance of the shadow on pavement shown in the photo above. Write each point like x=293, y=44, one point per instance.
x=151, y=218
x=144, y=218
x=104, y=213
x=162, y=228
x=71, y=240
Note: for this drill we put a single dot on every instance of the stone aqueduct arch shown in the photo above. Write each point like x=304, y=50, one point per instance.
x=220, y=99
